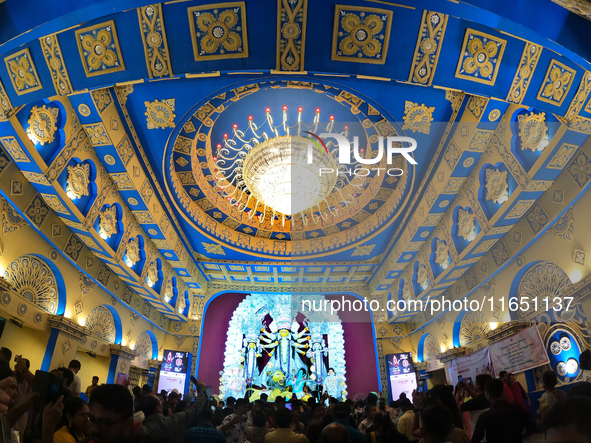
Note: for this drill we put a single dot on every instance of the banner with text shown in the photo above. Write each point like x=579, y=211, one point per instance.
x=519, y=352
x=469, y=366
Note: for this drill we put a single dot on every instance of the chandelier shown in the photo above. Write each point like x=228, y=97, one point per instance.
x=265, y=171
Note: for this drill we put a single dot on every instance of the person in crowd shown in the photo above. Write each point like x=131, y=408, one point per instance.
x=394, y=411
x=582, y=388
x=383, y=430
x=457, y=435
x=478, y=402
x=370, y=414
x=256, y=433
x=520, y=397
x=551, y=396
x=230, y=406
x=169, y=406
x=306, y=414
x=174, y=427
x=23, y=388
x=234, y=425
x=405, y=422
x=74, y=424
x=205, y=432
x=5, y=357
x=335, y=433
x=75, y=386
x=296, y=425
x=316, y=423
x=280, y=402
x=147, y=388
x=342, y=412
x=504, y=377
x=94, y=385
x=436, y=424
x=568, y=422
x=503, y=422
x=218, y=413
x=444, y=394
x=585, y=365
x=111, y=414
x=284, y=433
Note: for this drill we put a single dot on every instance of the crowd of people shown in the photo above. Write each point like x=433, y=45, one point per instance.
x=491, y=410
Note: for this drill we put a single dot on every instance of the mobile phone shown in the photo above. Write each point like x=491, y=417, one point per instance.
x=194, y=380
x=288, y=406
x=16, y=357
x=48, y=386
x=460, y=378
x=208, y=390
x=469, y=382
x=420, y=389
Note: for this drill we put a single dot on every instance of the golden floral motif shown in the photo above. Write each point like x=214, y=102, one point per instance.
x=23, y=76
x=133, y=252
x=441, y=253
x=466, y=224
x=78, y=180
x=555, y=88
x=497, y=186
x=42, y=124
x=417, y=117
x=361, y=35
x=108, y=222
x=533, y=132
x=99, y=49
x=218, y=32
x=481, y=57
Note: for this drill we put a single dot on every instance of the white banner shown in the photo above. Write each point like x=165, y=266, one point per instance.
x=469, y=366
x=519, y=352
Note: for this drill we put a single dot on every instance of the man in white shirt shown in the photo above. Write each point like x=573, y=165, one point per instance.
x=234, y=425
x=75, y=386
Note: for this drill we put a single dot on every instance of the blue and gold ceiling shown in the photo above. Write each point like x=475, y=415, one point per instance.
x=112, y=112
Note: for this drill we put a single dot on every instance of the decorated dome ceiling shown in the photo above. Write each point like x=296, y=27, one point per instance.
x=114, y=111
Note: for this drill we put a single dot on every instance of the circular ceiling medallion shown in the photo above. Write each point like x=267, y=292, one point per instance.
x=561, y=369
x=336, y=212
x=565, y=343
x=555, y=348
x=572, y=366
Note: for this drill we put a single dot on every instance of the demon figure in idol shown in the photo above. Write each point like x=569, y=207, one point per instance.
x=297, y=383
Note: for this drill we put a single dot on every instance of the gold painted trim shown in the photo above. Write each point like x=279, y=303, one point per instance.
x=244, y=36
x=332, y=75
x=525, y=62
x=143, y=19
x=110, y=23
x=421, y=37
x=275, y=71
x=499, y=57
x=134, y=82
x=369, y=77
x=244, y=73
x=580, y=97
x=52, y=52
x=204, y=74
x=12, y=56
x=573, y=75
x=385, y=44
x=281, y=6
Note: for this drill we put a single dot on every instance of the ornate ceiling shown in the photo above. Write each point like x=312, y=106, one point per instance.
x=113, y=112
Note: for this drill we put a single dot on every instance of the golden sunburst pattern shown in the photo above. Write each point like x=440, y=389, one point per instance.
x=101, y=324
x=34, y=280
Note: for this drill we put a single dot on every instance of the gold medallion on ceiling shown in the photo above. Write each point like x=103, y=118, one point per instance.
x=466, y=224
x=533, y=132
x=78, y=180
x=152, y=276
x=417, y=118
x=160, y=114
x=423, y=277
x=42, y=124
x=108, y=222
x=133, y=252
x=497, y=186
x=441, y=253
x=361, y=35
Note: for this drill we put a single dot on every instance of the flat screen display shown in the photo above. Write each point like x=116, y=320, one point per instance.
x=173, y=371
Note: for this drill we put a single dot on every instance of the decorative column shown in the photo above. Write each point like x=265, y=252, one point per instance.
x=63, y=342
x=121, y=357
x=154, y=366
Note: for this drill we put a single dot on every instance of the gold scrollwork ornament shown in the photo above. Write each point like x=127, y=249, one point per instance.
x=423, y=277
x=108, y=222
x=441, y=253
x=42, y=124
x=466, y=224
x=533, y=132
x=152, y=276
x=133, y=252
x=497, y=186
x=417, y=118
x=78, y=180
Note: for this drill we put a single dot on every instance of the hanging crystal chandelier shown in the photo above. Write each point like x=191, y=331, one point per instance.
x=264, y=171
